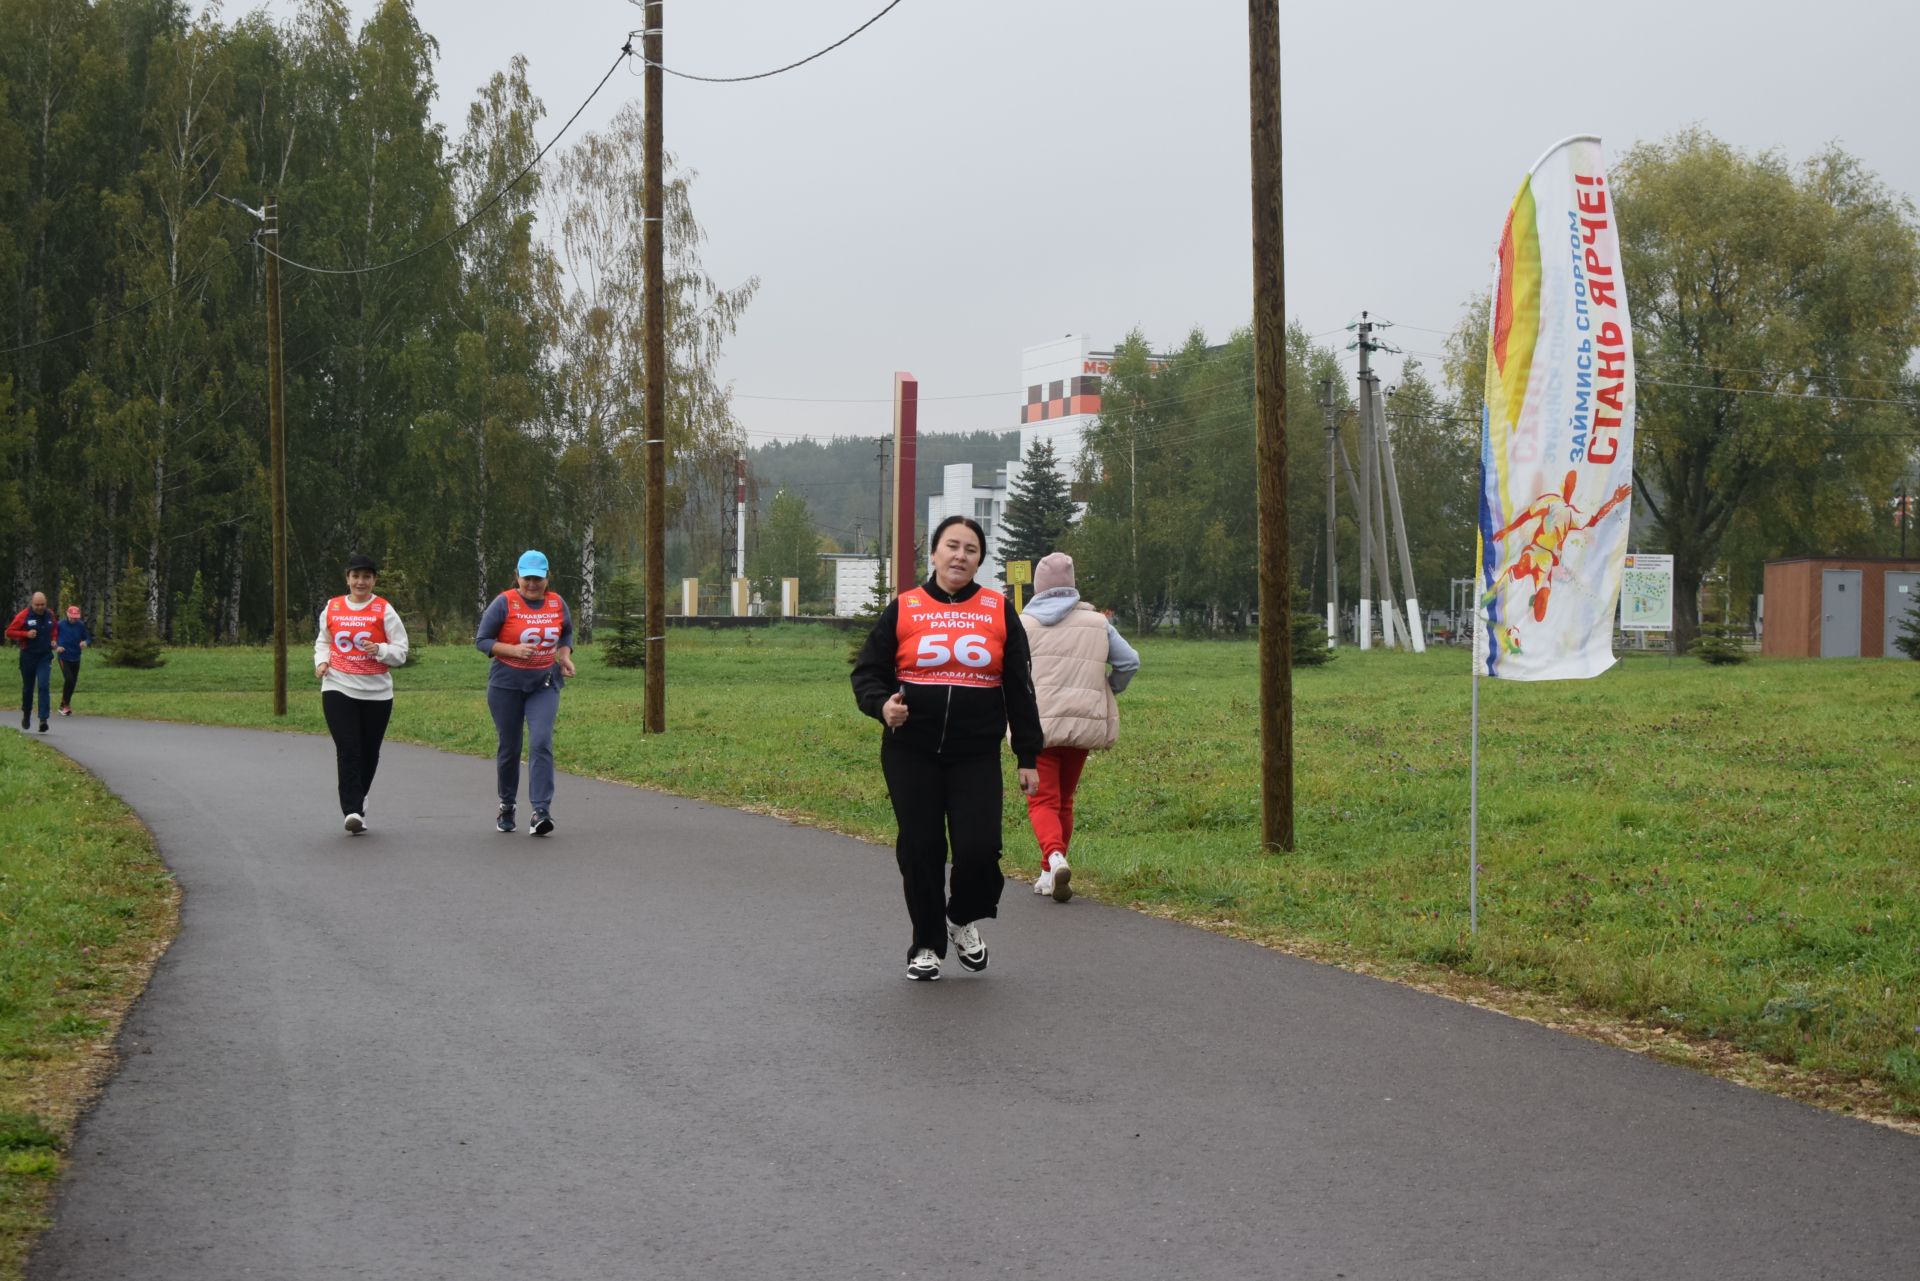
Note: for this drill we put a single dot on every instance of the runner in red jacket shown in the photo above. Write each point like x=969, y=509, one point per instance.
x=33, y=630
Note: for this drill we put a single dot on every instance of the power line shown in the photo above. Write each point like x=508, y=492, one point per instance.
x=1674, y=363
x=626, y=51
x=975, y=395
x=189, y=280
x=762, y=75
x=1671, y=362
x=1782, y=395
x=142, y=305
x=888, y=400
x=873, y=400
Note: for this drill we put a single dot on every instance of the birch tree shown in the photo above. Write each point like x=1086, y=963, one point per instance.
x=596, y=201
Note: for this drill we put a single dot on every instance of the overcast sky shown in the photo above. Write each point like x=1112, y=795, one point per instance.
x=965, y=179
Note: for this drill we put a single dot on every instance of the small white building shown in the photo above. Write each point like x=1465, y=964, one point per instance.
x=853, y=581
x=1063, y=380
x=960, y=496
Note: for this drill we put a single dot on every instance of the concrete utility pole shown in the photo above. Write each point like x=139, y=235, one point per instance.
x=654, y=303
x=740, y=514
x=1333, y=560
x=1389, y=613
x=1415, y=635
x=1270, y=425
x=277, y=449
x=1367, y=469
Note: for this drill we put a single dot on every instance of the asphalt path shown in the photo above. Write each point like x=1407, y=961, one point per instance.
x=676, y=1041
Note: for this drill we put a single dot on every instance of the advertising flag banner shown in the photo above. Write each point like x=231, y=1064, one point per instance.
x=1556, y=439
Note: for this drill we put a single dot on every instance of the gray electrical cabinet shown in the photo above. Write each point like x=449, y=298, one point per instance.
x=1903, y=593
x=1839, y=613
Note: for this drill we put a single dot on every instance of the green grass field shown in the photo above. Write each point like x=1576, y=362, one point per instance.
x=1728, y=853
x=85, y=907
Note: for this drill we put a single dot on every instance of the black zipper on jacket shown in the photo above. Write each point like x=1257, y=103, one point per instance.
x=945, y=716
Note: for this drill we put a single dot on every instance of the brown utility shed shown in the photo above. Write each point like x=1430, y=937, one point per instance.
x=1838, y=607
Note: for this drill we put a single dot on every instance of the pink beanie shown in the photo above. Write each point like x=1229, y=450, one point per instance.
x=1054, y=570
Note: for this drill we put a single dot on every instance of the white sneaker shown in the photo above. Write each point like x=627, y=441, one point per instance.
x=924, y=967
x=1044, y=884
x=1060, y=876
x=355, y=824
x=968, y=946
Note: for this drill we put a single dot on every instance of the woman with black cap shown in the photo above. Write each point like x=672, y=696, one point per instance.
x=528, y=632
x=361, y=637
x=947, y=675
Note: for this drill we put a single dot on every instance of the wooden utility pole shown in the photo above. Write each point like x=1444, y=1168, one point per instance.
x=277, y=451
x=1333, y=560
x=654, y=302
x=1270, y=426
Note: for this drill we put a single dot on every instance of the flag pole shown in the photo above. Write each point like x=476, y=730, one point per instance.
x=1473, y=808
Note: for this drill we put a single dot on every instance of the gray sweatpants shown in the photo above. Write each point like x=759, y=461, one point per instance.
x=536, y=709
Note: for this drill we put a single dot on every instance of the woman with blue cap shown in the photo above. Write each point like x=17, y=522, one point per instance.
x=528, y=632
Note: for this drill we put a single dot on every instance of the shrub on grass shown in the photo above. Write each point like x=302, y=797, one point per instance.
x=1908, y=641
x=628, y=616
x=192, y=615
x=134, y=642
x=1310, y=648
x=1719, y=645
x=869, y=614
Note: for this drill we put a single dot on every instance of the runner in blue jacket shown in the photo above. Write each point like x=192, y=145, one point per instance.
x=71, y=640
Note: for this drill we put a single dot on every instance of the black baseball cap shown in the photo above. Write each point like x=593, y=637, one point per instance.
x=360, y=560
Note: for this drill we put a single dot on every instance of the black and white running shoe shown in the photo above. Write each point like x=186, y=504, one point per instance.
x=355, y=824
x=968, y=946
x=924, y=967
x=504, y=822
x=541, y=825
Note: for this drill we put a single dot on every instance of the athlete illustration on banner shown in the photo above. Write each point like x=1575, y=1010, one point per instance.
x=1555, y=520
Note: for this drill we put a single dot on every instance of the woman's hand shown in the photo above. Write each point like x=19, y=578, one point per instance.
x=320, y=670
x=1029, y=781
x=566, y=665
x=894, y=711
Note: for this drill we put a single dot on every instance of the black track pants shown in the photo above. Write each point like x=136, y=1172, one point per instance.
x=935, y=800
x=36, y=673
x=358, y=726
x=69, y=677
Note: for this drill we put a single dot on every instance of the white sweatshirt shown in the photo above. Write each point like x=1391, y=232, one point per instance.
x=373, y=688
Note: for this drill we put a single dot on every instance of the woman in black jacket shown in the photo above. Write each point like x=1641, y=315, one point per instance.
x=947, y=675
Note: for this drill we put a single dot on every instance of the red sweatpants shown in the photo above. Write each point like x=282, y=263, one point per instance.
x=1050, y=809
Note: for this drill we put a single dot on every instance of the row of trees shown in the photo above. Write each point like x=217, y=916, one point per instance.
x=1170, y=527
x=1776, y=315
x=443, y=412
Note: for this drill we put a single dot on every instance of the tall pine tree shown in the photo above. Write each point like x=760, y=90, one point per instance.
x=1039, y=511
